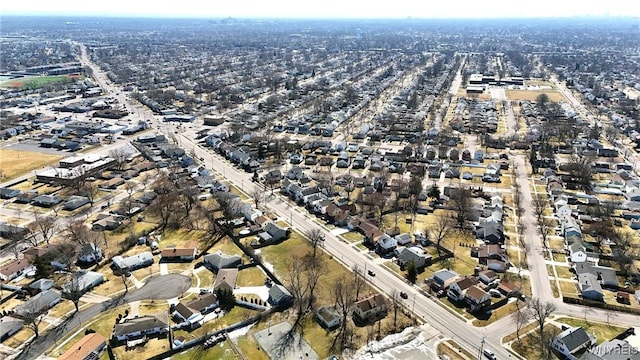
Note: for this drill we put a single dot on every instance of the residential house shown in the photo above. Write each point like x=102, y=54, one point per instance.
x=122, y=265
x=40, y=285
x=87, y=348
x=9, y=326
x=590, y=287
x=38, y=304
x=74, y=202
x=8, y=193
x=328, y=317
x=476, y=298
x=497, y=265
x=219, y=260
x=370, y=308
x=489, y=232
x=194, y=310
x=442, y=279
x=458, y=289
x=403, y=239
x=82, y=281
x=273, y=233
x=90, y=253
x=508, y=288
x=106, y=222
x=185, y=253
x=606, y=276
x=279, y=296
x=487, y=276
x=46, y=200
x=58, y=261
x=16, y=268
x=572, y=342
x=142, y=326
x=413, y=253
x=226, y=279
x=386, y=244
x=492, y=255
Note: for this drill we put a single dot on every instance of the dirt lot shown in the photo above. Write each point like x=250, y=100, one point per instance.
x=15, y=163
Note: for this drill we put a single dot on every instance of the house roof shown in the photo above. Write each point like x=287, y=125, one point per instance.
x=466, y=282
x=279, y=293
x=589, y=282
x=8, y=323
x=220, y=260
x=141, y=323
x=188, y=249
x=371, y=302
x=15, y=266
x=83, y=347
x=203, y=302
x=573, y=338
x=132, y=261
x=444, y=275
x=226, y=278
x=475, y=293
x=38, y=303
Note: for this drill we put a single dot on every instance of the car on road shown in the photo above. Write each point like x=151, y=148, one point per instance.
x=489, y=354
x=371, y=273
x=403, y=295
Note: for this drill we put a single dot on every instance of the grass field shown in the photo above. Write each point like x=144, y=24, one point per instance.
x=35, y=82
x=15, y=163
x=601, y=331
x=531, y=95
x=528, y=347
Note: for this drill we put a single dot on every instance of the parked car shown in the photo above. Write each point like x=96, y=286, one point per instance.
x=403, y=295
x=371, y=273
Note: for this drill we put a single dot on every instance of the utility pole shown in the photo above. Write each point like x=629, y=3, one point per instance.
x=481, y=348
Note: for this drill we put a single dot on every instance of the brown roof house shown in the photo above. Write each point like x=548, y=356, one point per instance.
x=476, y=298
x=193, y=311
x=185, y=253
x=370, y=309
x=458, y=289
x=87, y=348
x=226, y=279
x=15, y=269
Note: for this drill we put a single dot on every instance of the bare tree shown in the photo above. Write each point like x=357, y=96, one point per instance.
x=90, y=190
x=579, y=168
x=520, y=319
x=315, y=269
x=342, y=292
x=257, y=195
x=461, y=204
x=440, y=230
x=230, y=207
x=546, y=226
x=73, y=290
x=540, y=311
x=540, y=205
x=316, y=237
x=120, y=157
x=358, y=281
x=297, y=283
x=46, y=227
x=32, y=315
x=77, y=232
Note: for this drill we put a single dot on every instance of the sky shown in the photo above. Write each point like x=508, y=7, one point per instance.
x=324, y=8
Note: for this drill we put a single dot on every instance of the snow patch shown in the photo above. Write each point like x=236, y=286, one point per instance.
x=240, y=332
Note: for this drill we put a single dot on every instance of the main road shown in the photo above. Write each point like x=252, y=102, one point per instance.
x=450, y=325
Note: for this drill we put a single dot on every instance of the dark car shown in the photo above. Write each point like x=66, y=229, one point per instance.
x=371, y=273
x=403, y=295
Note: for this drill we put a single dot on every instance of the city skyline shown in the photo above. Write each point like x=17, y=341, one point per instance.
x=327, y=9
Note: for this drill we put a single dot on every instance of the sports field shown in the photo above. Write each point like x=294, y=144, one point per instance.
x=14, y=163
x=34, y=82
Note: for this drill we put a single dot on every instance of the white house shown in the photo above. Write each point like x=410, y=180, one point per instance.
x=194, y=310
x=370, y=308
x=39, y=304
x=123, y=264
x=458, y=289
x=141, y=326
x=572, y=341
x=90, y=253
x=9, y=326
x=415, y=254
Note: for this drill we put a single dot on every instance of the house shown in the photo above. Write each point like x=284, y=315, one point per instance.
x=606, y=276
x=82, y=281
x=16, y=268
x=443, y=278
x=279, y=296
x=226, y=279
x=9, y=326
x=38, y=304
x=185, y=253
x=87, y=348
x=476, y=298
x=106, y=222
x=219, y=260
x=58, y=261
x=508, y=288
x=492, y=233
x=458, y=289
x=577, y=252
x=370, y=308
x=497, y=265
x=487, y=276
x=8, y=193
x=40, y=285
x=122, y=265
x=74, y=202
x=413, y=253
x=141, y=327
x=112, y=183
x=90, y=253
x=193, y=311
x=328, y=317
x=590, y=287
x=403, y=239
x=386, y=244
x=572, y=342
x=272, y=233
x=46, y=200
